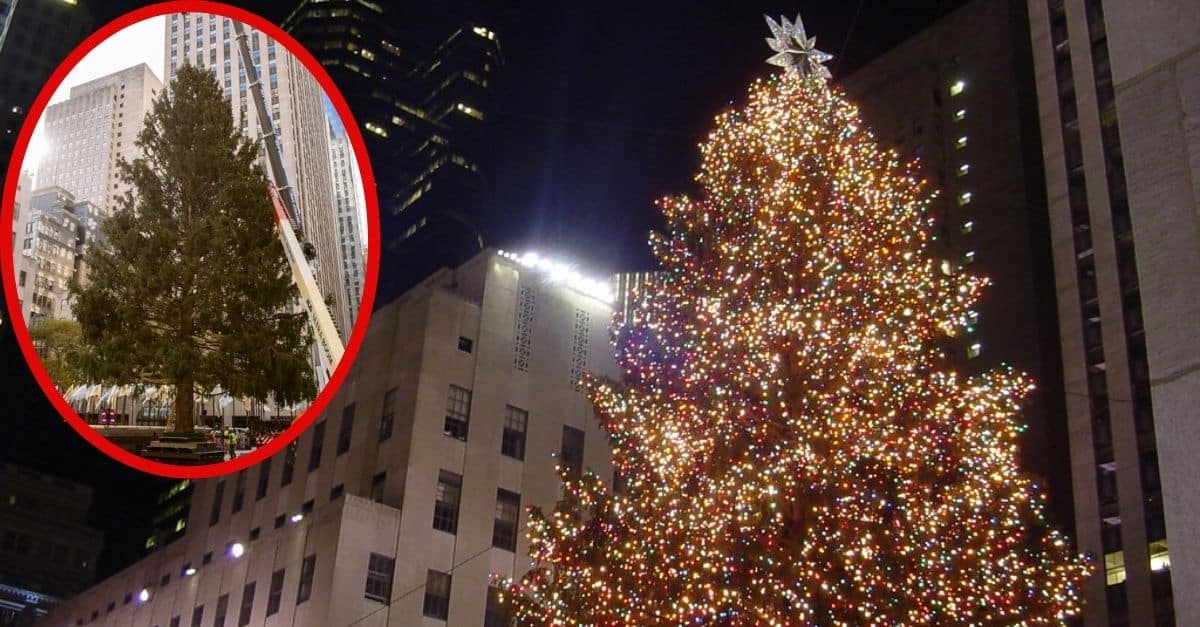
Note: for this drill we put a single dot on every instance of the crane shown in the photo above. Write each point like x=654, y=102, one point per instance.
x=330, y=348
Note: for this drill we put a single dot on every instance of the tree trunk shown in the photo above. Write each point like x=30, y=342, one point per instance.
x=183, y=405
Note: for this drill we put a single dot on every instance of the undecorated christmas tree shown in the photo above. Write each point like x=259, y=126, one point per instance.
x=191, y=288
x=795, y=446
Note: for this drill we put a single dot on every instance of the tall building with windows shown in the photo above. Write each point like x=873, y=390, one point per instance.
x=47, y=550
x=410, y=490
x=1118, y=87
x=296, y=103
x=56, y=233
x=423, y=106
x=350, y=236
x=958, y=97
x=35, y=36
x=92, y=130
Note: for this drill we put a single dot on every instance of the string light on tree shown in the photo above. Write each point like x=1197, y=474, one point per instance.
x=796, y=449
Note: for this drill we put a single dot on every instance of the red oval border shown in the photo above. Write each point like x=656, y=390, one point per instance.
x=372, y=272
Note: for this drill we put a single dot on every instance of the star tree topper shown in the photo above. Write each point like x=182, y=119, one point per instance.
x=795, y=50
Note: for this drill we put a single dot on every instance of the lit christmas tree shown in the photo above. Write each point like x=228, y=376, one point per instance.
x=795, y=446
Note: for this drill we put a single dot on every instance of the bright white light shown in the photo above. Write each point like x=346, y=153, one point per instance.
x=189, y=571
x=237, y=549
x=144, y=595
x=38, y=147
x=297, y=517
x=559, y=272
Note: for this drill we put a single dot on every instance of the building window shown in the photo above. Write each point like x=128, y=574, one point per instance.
x=239, y=491
x=571, y=452
x=960, y=115
x=961, y=142
x=508, y=512
x=347, y=429
x=275, y=593
x=206, y=558
x=512, y=442
x=388, y=416
x=174, y=619
x=377, y=484
x=465, y=344
x=219, y=495
x=254, y=533
x=969, y=257
x=974, y=350
x=247, y=605
x=197, y=615
x=264, y=477
x=496, y=613
x=289, y=464
x=222, y=608
x=318, y=444
x=964, y=198
x=336, y=492
x=957, y=87
x=524, y=331
x=1159, y=558
x=458, y=412
x=968, y=226
x=307, y=568
x=437, y=595
x=1114, y=568
x=379, y=578
x=445, y=507
x=279, y=520
x=963, y=169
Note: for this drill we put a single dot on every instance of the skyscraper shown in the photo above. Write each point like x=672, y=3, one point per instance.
x=1117, y=86
x=958, y=96
x=56, y=232
x=350, y=235
x=423, y=107
x=410, y=490
x=92, y=130
x=35, y=36
x=47, y=550
x=295, y=100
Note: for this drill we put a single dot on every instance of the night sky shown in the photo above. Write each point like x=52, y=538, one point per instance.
x=599, y=112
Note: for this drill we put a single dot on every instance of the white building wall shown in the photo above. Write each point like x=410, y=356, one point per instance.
x=412, y=345
x=91, y=131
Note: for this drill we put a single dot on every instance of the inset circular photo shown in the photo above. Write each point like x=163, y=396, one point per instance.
x=194, y=255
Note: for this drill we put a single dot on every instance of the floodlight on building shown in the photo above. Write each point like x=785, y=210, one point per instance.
x=297, y=517
x=144, y=595
x=237, y=549
x=189, y=571
x=562, y=273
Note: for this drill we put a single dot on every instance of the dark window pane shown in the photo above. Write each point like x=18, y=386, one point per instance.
x=512, y=442
x=379, y=578
x=571, y=456
x=445, y=507
x=388, y=417
x=508, y=512
x=307, y=568
x=318, y=444
x=347, y=429
x=437, y=595
x=458, y=412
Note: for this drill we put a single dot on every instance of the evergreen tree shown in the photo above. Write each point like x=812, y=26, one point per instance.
x=191, y=287
x=795, y=445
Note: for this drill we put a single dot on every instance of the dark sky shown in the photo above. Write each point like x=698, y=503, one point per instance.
x=600, y=109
